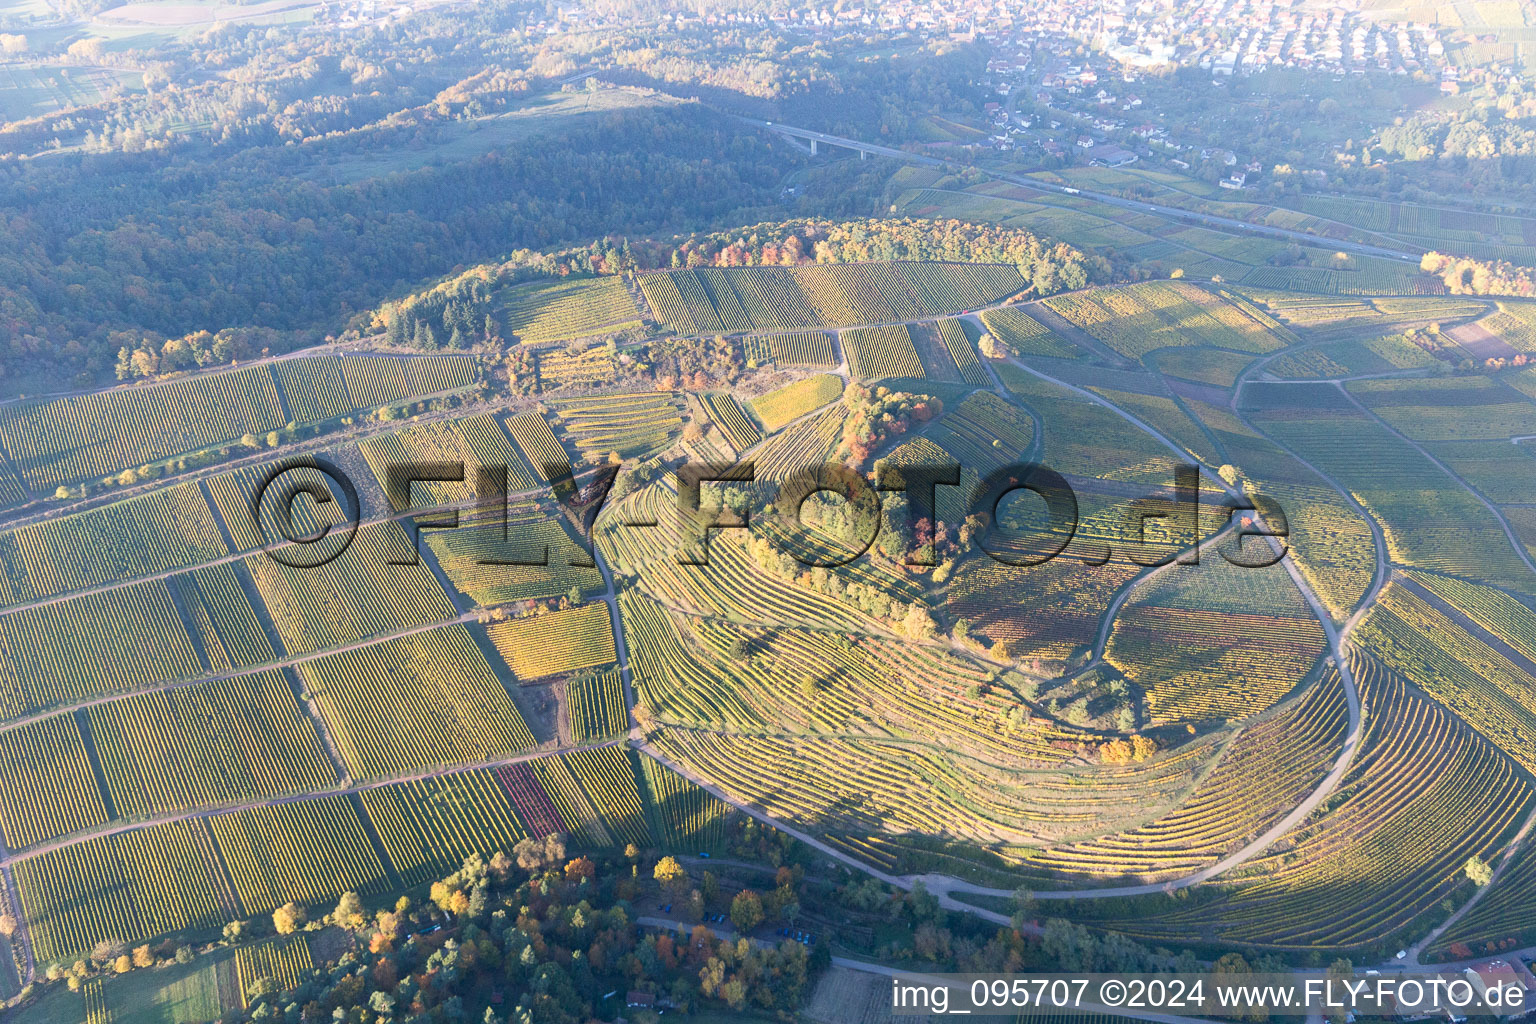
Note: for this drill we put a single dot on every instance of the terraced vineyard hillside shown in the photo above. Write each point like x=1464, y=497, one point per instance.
x=1138, y=585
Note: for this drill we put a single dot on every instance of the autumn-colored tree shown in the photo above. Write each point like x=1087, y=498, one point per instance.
x=349, y=912
x=288, y=918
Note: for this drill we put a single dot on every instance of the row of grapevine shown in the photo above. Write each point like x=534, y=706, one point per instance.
x=536, y=646
x=285, y=961
x=732, y=420
x=778, y=408
x=218, y=742
x=878, y=352
x=595, y=704
x=418, y=701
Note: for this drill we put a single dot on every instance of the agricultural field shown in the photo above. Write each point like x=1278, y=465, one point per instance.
x=728, y=414
x=530, y=551
x=103, y=433
x=423, y=700
x=797, y=348
x=779, y=408
x=1215, y=641
x=635, y=426
x=285, y=961
x=1025, y=335
x=595, y=704
x=746, y=299
x=544, y=645
x=1143, y=318
x=878, y=352
x=193, y=732
x=470, y=445
x=218, y=742
x=305, y=851
x=539, y=312
x=377, y=585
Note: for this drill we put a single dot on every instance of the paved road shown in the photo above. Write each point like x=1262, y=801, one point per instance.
x=1229, y=224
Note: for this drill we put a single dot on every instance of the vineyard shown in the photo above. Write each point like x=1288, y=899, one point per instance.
x=1139, y=319
x=285, y=961
x=538, y=444
x=561, y=311
x=778, y=408
x=1026, y=335
x=798, y=348
x=1218, y=641
x=1424, y=795
x=52, y=654
x=634, y=425
x=218, y=742
x=134, y=885
x=46, y=786
x=372, y=588
x=491, y=558
x=733, y=421
x=374, y=381
x=952, y=332
x=165, y=529
x=99, y=434
x=595, y=704
x=544, y=645
x=739, y=300
x=302, y=852
x=468, y=445
x=429, y=826
x=194, y=733
x=424, y=700
x=878, y=352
